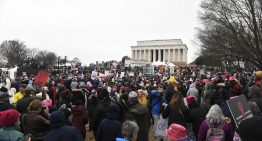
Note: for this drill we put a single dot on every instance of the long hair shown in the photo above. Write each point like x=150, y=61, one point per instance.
x=177, y=101
x=215, y=115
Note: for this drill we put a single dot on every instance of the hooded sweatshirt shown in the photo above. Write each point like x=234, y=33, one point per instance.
x=193, y=91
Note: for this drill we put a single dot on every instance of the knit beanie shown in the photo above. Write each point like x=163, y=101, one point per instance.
x=132, y=96
x=8, y=117
x=176, y=132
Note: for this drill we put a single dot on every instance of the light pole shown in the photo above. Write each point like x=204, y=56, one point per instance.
x=58, y=61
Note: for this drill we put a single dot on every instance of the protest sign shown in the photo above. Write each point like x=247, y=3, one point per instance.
x=93, y=75
x=162, y=126
x=41, y=78
x=106, y=73
x=239, y=109
x=122, y=74
x=172, y=69
x=131, y=74
x=241, y=64
x=148, y=70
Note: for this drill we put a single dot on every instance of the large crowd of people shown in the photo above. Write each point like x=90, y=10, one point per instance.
x=76, y=103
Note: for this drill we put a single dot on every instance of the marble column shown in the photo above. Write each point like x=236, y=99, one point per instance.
x=134, y=51
x=149, y=55
x=159, y=55
x=144, y=55
x=179, y=55
x=169, y=54
x=185, y=56
x=154, y=55
x=164, y=55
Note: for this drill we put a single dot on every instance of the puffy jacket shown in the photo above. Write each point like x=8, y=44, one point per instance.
x=155, y=102
x=11, y=134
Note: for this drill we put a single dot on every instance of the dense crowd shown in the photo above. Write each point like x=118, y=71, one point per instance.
x=114, y=108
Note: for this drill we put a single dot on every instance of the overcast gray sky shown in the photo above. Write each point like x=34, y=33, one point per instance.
x=97, y=29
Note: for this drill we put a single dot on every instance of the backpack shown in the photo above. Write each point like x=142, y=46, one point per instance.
x=215, y=133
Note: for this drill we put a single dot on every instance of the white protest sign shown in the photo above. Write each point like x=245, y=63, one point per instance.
x=122, y=74
x=162, y=126
x=106, y=73
x=93, y=75
x=131, y=74
x=241, y=64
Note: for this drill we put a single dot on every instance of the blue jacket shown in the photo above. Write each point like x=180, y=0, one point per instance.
x=155, y=102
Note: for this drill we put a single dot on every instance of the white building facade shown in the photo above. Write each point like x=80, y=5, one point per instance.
x=171, y=50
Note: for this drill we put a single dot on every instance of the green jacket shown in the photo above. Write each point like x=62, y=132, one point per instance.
x=11, y=134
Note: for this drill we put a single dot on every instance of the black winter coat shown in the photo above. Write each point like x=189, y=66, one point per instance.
x=175, y=116
x=140, y=114
x=197, y=114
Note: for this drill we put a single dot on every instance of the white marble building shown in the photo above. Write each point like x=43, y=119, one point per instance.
x=171, y=50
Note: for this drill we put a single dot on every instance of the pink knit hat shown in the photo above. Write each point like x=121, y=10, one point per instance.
x=176, y=132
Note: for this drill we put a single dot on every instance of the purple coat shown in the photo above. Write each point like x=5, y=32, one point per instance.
x=228, y=130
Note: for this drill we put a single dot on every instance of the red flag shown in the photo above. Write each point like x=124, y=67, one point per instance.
x=41, y=78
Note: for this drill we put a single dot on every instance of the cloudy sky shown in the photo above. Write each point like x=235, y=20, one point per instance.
x=98, y=29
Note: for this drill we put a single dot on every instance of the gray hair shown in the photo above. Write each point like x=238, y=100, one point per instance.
x=129, y=128
x=215, y=115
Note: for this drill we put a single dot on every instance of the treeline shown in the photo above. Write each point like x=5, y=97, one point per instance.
x=16, y=53
x=231, y=31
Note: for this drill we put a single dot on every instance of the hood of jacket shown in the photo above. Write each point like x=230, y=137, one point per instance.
x=57, y=119
x=113, y=112
x=139, y=109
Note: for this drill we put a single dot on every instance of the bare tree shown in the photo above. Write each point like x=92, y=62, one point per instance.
x=47, y=58
x=32, y=52
x=232, y=30
x=14, y=51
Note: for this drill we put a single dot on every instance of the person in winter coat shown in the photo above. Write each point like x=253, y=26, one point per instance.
x=23, y=103
x=110, y=127
x=9, y=132
x=36, y=121
x=170, y=91
x=156, y=102
x=60, y=130
x=142, y=98
x=176, y=111
x=176, y=132
x=92, y=103
x=215, y=118
x=197, y=113
x=68, y=115
x=99, y=112
x=140, y=114
x=80, y=118
x=193, y=91
x=4, y=102
x=249, y=129
x=20, y=94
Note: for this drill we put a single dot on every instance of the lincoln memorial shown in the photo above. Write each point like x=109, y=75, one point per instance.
x=172, y=50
